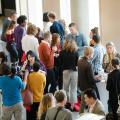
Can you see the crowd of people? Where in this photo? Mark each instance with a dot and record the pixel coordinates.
(55, 65)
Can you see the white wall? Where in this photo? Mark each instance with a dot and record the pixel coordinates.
(35, 13)
(52, 6)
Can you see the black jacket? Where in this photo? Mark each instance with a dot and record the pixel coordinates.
(68, 60)
(113, 85)
(85, 75)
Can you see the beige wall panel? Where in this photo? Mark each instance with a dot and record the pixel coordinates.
(110, 21)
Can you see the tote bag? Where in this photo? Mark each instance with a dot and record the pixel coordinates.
(27, 96)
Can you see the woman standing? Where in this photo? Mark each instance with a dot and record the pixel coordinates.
(29, 41)
(11, 86)
(93, 31)
(68, 60)
(107, 59)
(10, 39)
(36, 83)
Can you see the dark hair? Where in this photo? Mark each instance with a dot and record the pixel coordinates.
(21, 19)
(72, 24)
(60, 96)
(36, 66)
(95, 31)
(52, 15)
(32, 54)
(91, 93)
(11, 25)
(3, 56)
(115, 62)
(55, 37)
(7, 70)
(96, 38)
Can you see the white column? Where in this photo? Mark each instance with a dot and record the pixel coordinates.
(65, 10)
(80, 15)
(21, 7)
(35, 13)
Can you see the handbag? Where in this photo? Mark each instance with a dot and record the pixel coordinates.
(27, 97)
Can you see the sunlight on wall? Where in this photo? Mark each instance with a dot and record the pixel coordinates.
(93, 13)
(65, 10)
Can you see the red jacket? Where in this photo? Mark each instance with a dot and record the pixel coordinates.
(46, 55)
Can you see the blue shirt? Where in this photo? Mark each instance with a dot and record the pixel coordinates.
(11, 90)
(97, 59)
(80, 41)
(57, 28)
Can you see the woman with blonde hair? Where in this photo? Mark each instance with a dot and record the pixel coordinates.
(111, 53)
(29, 41)
(47, 102)
(68, 60)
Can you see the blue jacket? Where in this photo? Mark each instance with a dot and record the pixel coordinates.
(56, 27)
(80, 41)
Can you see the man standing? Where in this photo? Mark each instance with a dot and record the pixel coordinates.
(56, 27)
(46, 55)
(19, 32)
(78, 37)
(85, 75)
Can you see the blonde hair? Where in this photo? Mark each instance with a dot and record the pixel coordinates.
(32, 29)
(111, 44)
(88, 50)
(55, 39)
(70, 46)
(46, 103)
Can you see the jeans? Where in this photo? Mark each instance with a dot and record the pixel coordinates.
(11, 47)
(16, 110)
(70, 78)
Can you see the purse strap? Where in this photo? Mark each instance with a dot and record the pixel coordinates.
(58, 110)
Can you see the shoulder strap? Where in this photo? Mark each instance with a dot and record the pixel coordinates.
(58, 110)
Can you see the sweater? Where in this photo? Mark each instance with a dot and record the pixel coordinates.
(30, 42)
(36, 83)
(46, 55)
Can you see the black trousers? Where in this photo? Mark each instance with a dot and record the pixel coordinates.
(32, 115)
(114, 106)
(20, 53)
(50, 81)
(59, 76)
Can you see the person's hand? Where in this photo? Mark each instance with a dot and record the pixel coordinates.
(54, 48)
(97, 77)
(26, 72)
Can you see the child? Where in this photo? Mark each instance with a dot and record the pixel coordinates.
(113, 86)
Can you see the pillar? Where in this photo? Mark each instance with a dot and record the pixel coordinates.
(80, 15)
